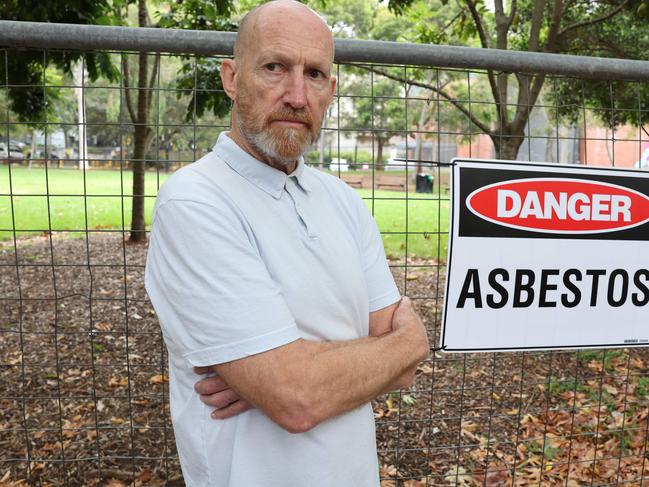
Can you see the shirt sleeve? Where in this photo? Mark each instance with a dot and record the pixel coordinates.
(380, 282)
(211, 290)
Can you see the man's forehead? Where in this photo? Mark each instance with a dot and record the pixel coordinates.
(289, 11)
(288, 23)
(284, 42)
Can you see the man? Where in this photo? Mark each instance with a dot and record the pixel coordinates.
(272, 277)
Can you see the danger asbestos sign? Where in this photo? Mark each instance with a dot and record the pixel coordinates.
(543, 256)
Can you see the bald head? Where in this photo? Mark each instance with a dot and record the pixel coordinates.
(275, 12)
(280, 82)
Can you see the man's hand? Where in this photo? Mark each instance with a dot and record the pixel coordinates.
(406, 317)
(216, 393)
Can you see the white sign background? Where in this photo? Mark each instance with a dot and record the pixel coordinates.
(470, 328)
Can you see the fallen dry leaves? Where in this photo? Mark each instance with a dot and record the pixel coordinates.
(491, 420)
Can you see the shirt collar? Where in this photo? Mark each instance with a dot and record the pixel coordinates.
(266, 178)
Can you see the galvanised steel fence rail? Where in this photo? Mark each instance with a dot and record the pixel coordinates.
(83, 375)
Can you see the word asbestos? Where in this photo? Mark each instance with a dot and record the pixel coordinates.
(524, 288)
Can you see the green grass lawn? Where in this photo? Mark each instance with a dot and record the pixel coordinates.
(414, 224)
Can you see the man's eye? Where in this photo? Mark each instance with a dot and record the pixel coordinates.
(316, 74)
(272, 67)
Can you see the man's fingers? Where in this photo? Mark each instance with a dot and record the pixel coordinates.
(404, 311)
(233, 409)
(202, 370)
(210, 385)
(405, 303)
(220, 399)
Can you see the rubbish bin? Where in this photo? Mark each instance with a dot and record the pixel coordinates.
(424, 183)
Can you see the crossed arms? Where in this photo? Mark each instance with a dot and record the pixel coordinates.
(304, 383)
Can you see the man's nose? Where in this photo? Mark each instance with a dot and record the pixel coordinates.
(295, 93)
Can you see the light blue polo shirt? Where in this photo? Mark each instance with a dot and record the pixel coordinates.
(243, 259)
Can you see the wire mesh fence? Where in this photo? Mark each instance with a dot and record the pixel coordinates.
(83, 372)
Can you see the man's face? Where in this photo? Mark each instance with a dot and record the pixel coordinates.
(284, 87)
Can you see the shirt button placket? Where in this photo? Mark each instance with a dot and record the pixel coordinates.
(297, 196)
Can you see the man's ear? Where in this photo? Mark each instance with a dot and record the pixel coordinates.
(333, 89)
(228, 75)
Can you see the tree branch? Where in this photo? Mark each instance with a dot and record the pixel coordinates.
(477, 20)
(502, 25)
(154, 76)
(127, 89)
(555, 22)
(526, 99)
(512, 14)
(596, 20)
(500, 88)
(535, 26)
(448, 25)
(478, 123)
(486, 43)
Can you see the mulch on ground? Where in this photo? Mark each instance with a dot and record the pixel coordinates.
(83, 388)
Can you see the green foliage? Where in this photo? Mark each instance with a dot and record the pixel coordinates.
(203, 74)
(312, 157)
(350, 19)
(607, 356)
(379, 109)
(408, 399)
(603, 397)
(540, 26)
(198, 15)
(559, 386)
(399, 6)
(615, 103)
(26, 70)
(642, 387)
(547, 451)
(360, 156)
(200, 73)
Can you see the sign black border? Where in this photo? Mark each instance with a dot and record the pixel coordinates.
(454, 192)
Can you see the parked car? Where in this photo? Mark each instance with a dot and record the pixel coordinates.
(14, 152)
(51, 155)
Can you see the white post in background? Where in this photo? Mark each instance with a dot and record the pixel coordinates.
(81, 115)
(321, 150)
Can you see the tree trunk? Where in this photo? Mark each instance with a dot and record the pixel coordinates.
(32, 153)
(549, 144)
(421, 123)
(81, 116)
(507, 146)
(138, 228)
(141, 136)
(379, 165)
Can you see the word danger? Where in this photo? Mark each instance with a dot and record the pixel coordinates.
(550, 288)
(560, 205)
(576, 206)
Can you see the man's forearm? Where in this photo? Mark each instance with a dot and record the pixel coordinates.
(357, 372)
(304, 383)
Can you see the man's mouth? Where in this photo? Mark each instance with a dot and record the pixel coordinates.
(290, 123)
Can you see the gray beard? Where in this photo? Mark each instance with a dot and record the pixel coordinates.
(266, 145)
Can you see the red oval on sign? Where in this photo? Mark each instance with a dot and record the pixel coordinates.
(560, 205)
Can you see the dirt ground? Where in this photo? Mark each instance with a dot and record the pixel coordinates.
(83, 388)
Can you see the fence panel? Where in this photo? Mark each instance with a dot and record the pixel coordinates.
(83, 368)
